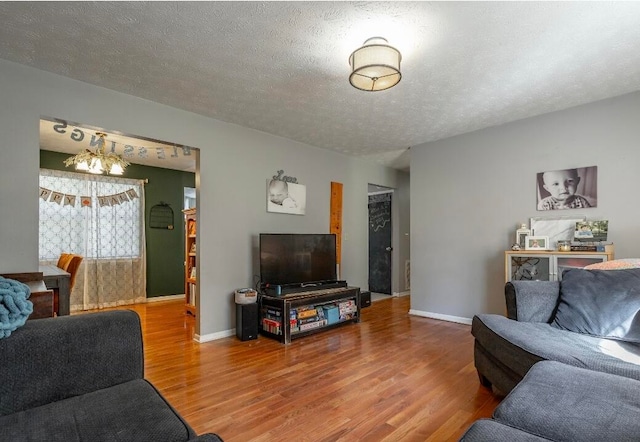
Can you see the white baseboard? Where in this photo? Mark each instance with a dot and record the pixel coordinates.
(214, 336)
(165, 298)
(405, 293)
(449, 318)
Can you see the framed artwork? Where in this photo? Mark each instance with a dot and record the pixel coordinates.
(591, 231)
(536, 243)
(575, 188)
(559, 228)
(284, 197)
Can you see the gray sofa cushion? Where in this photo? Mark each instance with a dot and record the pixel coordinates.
(486, 430)
(564, 403)
(604, 303)
(519, 345)
(52, 359)
(126, 412)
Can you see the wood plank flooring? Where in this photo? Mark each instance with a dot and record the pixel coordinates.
(392, 377)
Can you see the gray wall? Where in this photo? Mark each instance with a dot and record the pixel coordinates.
(235, 163)
(470, 191)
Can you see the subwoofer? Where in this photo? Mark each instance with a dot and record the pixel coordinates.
(247, 321)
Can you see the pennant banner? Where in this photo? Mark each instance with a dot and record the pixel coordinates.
(45, 193)
(56, 197)
(64, 199)
(70, 200)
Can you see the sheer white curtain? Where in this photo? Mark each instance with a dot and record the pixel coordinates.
(108, 233)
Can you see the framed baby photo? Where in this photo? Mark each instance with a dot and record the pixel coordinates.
(536, 243)
(575, 188)
(285, 197)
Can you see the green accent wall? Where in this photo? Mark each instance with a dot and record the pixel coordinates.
(165, 248)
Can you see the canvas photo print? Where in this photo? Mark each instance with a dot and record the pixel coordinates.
(567, 188)
(284, 197)
(591, 231)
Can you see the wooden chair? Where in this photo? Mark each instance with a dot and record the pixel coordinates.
(64, 260)
(72, 267)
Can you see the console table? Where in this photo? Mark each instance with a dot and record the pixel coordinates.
(547, 265)
(56, 278)
(292, 316)
(41, 296)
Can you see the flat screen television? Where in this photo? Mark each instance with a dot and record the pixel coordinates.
(290, 258)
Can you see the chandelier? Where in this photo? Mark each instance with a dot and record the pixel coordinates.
(98, 162)
(375, 66)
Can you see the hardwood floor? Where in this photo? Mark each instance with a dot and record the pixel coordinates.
(393, 377)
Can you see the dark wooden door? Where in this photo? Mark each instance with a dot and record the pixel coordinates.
(380, 243)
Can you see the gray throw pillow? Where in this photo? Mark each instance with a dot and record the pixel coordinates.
(604, 303)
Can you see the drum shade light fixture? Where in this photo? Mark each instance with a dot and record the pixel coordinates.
(98, 162)
(375, 66)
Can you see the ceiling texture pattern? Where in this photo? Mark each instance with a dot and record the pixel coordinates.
(282, 67)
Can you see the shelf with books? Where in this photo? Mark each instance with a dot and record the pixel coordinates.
(308, 312)
(190, 263)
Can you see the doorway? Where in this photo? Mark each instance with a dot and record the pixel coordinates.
(380, 239)
(162, 170)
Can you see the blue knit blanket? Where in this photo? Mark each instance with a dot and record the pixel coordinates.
(15, 306)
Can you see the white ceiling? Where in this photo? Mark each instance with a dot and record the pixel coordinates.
(282, 67)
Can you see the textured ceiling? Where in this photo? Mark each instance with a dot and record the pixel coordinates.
(282, 67)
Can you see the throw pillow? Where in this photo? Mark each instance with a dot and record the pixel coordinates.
(603, 303)
(615, 264)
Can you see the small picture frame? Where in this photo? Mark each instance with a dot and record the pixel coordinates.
(536, 243)
(521, 234)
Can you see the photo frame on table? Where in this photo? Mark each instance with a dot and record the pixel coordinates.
(558, 228)
(536, 243)
(521, 237)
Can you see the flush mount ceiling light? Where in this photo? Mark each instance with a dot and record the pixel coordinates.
(375, 66)
(98, 162)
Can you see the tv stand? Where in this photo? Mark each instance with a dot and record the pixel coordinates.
(296, 315)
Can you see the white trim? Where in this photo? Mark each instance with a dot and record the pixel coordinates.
(164, 298)
(449, 318)
(214, 336)
(405, 293)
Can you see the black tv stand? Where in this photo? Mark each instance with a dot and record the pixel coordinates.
(296, 315)
(287, 289)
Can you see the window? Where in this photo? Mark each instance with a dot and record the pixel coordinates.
(111, 226)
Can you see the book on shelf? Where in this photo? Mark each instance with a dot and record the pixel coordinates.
(308, 320)
(312, 325)
(307, 313)
(192, 294)
(191, 227)
(271, 326)
(273, 311)
(584, 248)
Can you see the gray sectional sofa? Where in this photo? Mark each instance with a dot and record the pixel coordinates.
(591, 320)
(568, 355)
(80, 378)
(562, 403)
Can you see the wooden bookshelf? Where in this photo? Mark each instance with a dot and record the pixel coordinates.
(190, 260)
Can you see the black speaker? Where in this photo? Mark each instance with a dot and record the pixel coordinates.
(247, 321)
(365, 299)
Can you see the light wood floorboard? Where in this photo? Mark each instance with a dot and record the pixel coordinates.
(392, 377)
